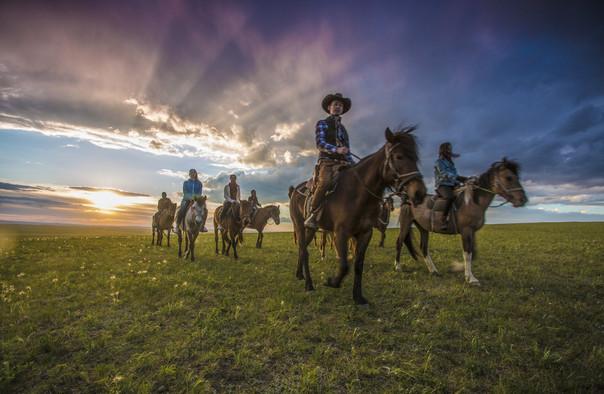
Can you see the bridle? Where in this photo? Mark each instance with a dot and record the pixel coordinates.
(401, 179)
(505, 194)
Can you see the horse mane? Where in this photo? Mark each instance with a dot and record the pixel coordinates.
(507, 164)
(403, 135)
(485, 178)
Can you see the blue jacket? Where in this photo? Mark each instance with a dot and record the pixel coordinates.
(445, 173)
(191, 188)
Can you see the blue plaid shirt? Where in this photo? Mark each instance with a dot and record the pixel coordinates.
(341, 136)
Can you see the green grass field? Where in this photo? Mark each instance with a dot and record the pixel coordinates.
(86, 311)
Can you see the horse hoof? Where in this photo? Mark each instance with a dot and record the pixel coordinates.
(362, 301)
(299, 276)
(398, 267)
(310, 288)
(435, 273)
(475, 283)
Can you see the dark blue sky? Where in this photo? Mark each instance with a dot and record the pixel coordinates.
(129, 94)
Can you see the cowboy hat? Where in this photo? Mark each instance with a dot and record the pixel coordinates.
(333, 97)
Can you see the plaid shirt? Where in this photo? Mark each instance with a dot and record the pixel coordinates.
(341, 137)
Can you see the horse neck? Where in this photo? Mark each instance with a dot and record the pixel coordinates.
(484, 198)
(370, 172)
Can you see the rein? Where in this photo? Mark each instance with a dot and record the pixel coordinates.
(506, 191)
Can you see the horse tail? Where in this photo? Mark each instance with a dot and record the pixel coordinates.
(290, 191)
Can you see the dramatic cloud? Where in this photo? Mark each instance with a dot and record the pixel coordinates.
(237, 87)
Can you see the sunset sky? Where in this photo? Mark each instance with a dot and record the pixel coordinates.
(105, 104)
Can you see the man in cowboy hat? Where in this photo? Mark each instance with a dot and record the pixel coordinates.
(446, 178)
(334, 150)
(191, 189)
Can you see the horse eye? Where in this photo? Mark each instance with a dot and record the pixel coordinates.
(398, 157)
(510, 179)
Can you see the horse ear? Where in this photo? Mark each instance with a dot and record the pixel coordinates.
(204, 198)
(389, 135)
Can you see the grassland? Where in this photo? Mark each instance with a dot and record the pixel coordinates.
(87, 311)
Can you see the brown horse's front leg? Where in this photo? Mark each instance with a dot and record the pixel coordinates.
(359, 260)
(342, 248)
(169, 237)
(153, 239)
(234, 241)
(383, 238)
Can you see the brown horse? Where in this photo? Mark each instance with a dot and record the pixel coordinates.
(383, 218)
(163, 220)
(350, 210)
(232, 225)
(467, 214)
(260, 219)
(193, 222)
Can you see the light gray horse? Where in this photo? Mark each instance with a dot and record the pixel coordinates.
(194, 221)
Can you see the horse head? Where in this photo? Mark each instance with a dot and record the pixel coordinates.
(200, 210)
(275, 214)
(504, 178)
(245, 212)
(400, 165)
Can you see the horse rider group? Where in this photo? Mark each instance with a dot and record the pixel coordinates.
(193, 188)
(333, 143)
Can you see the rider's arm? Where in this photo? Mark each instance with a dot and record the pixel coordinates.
(320, 134)
(185, 192)
(226, 194)
(238, 194)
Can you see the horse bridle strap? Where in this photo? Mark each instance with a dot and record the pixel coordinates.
(402, 178)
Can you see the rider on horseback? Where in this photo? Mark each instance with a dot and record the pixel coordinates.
(446, 178)
(232, 196)
(253, 199)
(191, 189)
(334, 151)
(164, 202)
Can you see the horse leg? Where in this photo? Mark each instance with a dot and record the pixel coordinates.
(362, 241)
(187, 245)
(425, 237)
(179, 236)
(153, 239)
(216, 237)
(303, 243)
(342, 248)
(323, 244)
(223, 237)
(160, 236)
(467, 238)
(192, 245)
(258, 241)
(300, 241)
(234, 240)
(169, 236)
(383, 238)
